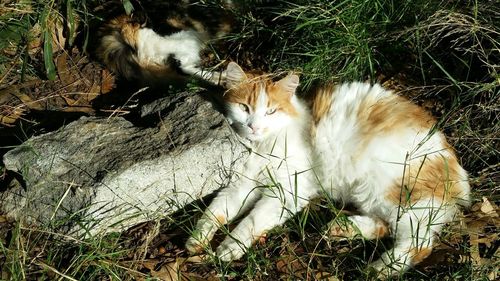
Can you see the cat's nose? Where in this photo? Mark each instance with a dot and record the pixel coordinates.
(254, 128)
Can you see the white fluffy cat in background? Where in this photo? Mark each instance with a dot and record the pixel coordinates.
(358, 143)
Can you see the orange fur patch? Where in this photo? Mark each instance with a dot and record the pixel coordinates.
(321, 102)
(377, 117)
(177, 22)
(281, 99)
(382, 230)
(128, 28)
(221, 219)
(247, 92)
(224, 28)
(419, 254)
(437, 177)
(198, 26)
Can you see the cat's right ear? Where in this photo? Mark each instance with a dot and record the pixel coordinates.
(233, 75)
(290, 83)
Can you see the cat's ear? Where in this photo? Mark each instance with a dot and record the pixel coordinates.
(233, 75)
(289, 83)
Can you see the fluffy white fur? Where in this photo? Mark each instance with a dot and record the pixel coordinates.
(290, 165)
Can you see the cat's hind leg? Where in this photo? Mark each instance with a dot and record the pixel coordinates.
(414, 231)
(227, 205)
(349, 227)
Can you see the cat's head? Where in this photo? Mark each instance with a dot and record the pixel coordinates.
(257, 106)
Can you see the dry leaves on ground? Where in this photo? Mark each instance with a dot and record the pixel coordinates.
(78, 83)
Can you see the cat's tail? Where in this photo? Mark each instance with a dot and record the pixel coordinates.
(117, 48)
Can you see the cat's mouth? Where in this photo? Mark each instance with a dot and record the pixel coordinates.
(255, 137)
(246, 132)
(259, 135)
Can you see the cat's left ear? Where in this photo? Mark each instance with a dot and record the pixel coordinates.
(233, 75)
(289, 83)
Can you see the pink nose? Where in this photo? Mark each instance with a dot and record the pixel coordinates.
(254, 128)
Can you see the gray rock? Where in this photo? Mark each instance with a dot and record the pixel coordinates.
(105, 174)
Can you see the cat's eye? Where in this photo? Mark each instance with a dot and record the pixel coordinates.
(271, 111)
(244, 107)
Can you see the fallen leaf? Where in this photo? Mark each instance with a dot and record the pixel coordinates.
(29, 102)
(8, 120)
(56, 26)
(197, 259)
(35, 39)
(481, 223)
(291, 265)
(488, 240)
(107, 81)
(325, 276)
(62, 69)
(168, 272)
(488, 207)
(493, 275)
(165, 271)
(162, 250)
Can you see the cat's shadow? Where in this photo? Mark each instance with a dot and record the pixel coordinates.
(129, 99)
(175, 233)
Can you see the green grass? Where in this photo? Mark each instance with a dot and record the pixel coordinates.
(445, 54)
(32, 30)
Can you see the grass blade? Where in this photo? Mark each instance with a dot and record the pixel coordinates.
(129, 8)
(70, 17)
(50, 68)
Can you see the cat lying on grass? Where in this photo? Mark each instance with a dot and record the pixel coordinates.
(358, 143)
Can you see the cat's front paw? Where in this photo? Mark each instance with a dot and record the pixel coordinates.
(341, 230)
(380, 270)
(195, 245)
(230, 250)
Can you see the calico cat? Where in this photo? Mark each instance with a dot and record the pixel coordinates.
(358, 143)
(164, 42)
